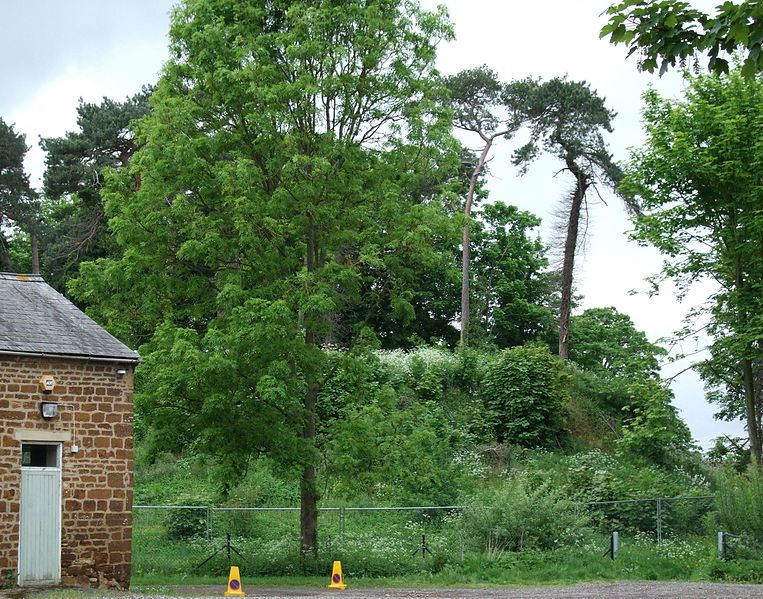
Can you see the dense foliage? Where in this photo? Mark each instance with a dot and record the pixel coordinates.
(520, 517)
(698, 181)
(279, 226)
(276, 169)
(515, 295)
(524, 391)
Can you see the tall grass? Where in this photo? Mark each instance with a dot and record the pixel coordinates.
(740, 502)
(388, 562)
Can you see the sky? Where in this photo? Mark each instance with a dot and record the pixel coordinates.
(58, 51)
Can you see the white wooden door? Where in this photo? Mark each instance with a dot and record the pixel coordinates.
(40, 527)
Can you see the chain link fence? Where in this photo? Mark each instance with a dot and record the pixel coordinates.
(204, 540)
(182, 541)
(659, 517)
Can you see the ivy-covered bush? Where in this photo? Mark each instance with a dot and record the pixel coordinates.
(525, 391)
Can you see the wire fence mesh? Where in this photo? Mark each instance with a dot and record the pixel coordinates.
(203, 540)
(178, 541)
(659, 517)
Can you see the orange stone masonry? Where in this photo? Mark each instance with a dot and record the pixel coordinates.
(95, 407)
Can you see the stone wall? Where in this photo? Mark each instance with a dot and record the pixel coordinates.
(95, 412)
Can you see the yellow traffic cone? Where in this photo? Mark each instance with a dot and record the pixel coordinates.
(337, 579)
(234, 584)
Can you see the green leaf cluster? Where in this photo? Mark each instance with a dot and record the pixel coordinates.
(605, 342)
(517, 516)
(671, 31)
(739, 497)
(513, 290)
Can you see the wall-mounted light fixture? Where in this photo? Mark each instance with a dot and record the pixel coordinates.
(48, 409)
(121, 372)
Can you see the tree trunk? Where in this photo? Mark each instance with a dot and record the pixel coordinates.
(5, 257)
(308, 515)
(753, 429)
(568, 266)
(35, 254)
(465, 306)
(748, 377)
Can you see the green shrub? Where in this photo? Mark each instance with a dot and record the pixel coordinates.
(388, 453)
(425, 370)
(746, 570)
(186, 523)
(515, 517)
(526, 390)
(596, 476)
(740, 502)
(653, 433)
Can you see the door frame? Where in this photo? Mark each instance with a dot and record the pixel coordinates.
(59, 469)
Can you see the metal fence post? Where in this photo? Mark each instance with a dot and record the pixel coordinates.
(721, 544)
(209, 523)
(659, 521)
(341, 524)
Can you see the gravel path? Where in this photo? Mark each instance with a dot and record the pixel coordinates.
(619, 590)
(622, 590)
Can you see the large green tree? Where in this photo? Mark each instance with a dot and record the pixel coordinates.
(606, 342)
(514, 295)
(567, 119)
(18, 204)
(75, 223)
(285, 140)
(666, 32)
(698, 178)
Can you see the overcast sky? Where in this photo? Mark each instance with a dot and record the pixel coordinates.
(57, 51)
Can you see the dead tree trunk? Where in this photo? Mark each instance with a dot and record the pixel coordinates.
(466, 240)
(753, 428)
(568, 266)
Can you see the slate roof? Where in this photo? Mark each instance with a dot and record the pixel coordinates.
(36, 319)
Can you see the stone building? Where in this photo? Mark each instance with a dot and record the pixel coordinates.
(66, 446)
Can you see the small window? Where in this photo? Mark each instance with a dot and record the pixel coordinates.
(39, 456)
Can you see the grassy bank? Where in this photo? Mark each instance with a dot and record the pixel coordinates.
(638, 559)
